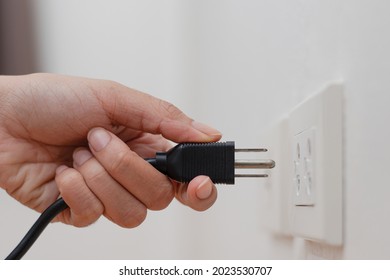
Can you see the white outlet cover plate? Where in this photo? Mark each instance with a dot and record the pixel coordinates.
(317, 214)
(275, 193)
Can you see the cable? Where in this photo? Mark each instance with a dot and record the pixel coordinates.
(182, 163)
(35, 231)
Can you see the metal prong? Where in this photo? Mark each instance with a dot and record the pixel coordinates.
(250, 150)
(251, 175)
(254, 164)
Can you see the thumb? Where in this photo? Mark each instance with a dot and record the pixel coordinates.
(200, 194)
(146, 113)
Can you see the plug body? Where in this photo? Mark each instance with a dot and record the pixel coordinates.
(188, 160)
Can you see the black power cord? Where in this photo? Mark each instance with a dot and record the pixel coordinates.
(182, 163)
(35, 231)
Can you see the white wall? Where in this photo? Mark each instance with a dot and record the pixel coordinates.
(237, 65)
(256, 60)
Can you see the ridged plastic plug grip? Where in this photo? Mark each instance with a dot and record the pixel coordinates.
(188, 160)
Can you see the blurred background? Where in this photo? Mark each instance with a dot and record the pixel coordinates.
(237, 65)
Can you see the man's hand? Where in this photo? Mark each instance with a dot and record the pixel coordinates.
(85, 140)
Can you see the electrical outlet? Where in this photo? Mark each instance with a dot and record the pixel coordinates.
(316, 199)
(304, 159)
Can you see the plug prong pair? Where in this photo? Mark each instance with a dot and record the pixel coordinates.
(253, 164)
(246, 150)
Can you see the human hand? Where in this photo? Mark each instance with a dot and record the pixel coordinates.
(85, 140)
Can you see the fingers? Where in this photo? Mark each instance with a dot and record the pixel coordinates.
(120, 206)
(200, 194)
(152, 115)
(111, 179)
(85, 207)
(132, 172)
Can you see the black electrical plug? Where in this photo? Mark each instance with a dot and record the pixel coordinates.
(217, 160)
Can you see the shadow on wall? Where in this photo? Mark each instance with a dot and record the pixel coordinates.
(17, 46)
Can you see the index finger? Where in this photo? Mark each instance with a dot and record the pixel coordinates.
(146, 113)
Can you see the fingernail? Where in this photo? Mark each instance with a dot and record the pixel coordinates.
(61, 169)
(98, 139)
(205, 128)
(81, 156)
(205, 188)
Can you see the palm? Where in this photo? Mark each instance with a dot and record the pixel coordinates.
(28, 173)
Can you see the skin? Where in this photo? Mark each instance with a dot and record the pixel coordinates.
(85, 140)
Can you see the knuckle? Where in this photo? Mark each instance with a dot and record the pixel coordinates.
(95, 211)
(121, 162)
(68, 177)
(89, 216)
(162, 199)
(132, 218)
(171, 110)
(81, 223)
(96, 177)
